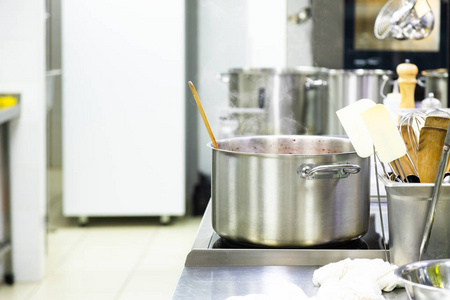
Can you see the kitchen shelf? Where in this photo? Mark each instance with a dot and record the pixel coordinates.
(6, 114)
(5, 248)
(9, 113)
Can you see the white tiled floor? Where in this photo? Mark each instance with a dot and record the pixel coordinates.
(119, 259)
(111, 259)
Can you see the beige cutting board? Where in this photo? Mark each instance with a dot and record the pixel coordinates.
(431, 143)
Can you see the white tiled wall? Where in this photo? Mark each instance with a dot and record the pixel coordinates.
(22, 70)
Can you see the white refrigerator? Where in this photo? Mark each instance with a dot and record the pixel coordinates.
(123, 64)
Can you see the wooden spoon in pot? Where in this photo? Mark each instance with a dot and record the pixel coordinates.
(202, 112)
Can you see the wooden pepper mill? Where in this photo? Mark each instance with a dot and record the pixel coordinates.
(407, 83)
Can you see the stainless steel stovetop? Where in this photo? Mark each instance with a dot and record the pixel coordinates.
(204, 253)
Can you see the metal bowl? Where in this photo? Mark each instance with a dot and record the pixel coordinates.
(428, 280)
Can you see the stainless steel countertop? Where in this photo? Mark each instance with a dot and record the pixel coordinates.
(216, 274)
(219, 283)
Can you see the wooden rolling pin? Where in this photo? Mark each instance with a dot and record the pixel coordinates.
(407, 83)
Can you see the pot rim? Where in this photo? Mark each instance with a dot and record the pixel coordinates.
(441, 73)
(210, 145)
(361, 71)
(301, 70)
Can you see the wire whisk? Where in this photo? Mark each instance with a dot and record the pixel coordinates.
(409, 128)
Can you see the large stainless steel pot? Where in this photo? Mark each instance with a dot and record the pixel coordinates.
(348, 86)
(294, 100)
(289, 191)
(436, 83)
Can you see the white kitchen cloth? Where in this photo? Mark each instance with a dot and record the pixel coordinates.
(349, 288)
(376, 270)
(347, 279)
(355, 279)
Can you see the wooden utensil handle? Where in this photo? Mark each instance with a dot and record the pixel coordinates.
(202, 113)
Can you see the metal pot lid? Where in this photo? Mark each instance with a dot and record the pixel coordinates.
(361, 72)
(301, 70)
(436, 73)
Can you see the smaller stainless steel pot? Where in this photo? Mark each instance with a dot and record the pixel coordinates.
(345, 87)
(294, 99)
(436, 83)
(289, 191)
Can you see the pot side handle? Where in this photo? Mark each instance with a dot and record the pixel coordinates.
(422, 81)
(224, 77)
(311, 84)
(332, 171)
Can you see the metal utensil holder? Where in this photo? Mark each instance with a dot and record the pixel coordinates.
(408, 205)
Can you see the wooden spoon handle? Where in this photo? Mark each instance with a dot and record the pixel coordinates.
(202, 113)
